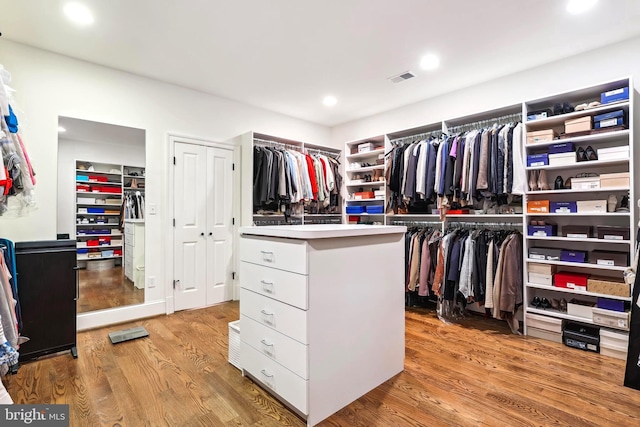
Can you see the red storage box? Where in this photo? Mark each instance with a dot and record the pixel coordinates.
(95, 178)
(105, 240)
(117, 252)
(115, 190)
(360, 195)
(564, 279)
(93, 242)
(82, 187)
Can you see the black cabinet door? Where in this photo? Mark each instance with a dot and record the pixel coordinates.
(47, 291)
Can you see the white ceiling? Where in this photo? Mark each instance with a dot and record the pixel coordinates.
(286, 55)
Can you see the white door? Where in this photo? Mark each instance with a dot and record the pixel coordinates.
(219, 225)
(203, 212)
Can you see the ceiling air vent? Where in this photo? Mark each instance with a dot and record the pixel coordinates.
(402, 77)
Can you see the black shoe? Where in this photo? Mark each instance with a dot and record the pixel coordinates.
(559, 183)
(590, 153)
(544, 303)
(535, 302)
(567, 108)
(581, 155)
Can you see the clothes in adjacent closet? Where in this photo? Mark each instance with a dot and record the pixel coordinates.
(10, 315)
(17, 176)
(288, 179)
(457, 170)
(133, 205)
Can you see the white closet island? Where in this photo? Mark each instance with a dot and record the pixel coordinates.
(322, 312)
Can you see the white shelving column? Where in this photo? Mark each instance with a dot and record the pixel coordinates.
(607, 138)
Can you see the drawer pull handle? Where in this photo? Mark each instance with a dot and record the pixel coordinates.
(266, 343)
(266, 313)
(265, 374)
(267, 286)
(267, 256)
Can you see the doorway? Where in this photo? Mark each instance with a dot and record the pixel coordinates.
(203, 232)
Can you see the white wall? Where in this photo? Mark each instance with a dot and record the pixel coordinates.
(609, 63)
(50, 85)
(69, 151)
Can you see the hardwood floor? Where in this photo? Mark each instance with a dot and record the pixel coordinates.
(104, 289)
(455, 375)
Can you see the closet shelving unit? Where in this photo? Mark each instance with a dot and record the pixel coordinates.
(103, 175)
(359, 165)
(606, 139)
(302, 215)
(128, 179)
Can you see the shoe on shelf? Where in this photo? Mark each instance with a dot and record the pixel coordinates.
(590, 153)
(558, 183)
(535, 302)
(581, 107)
(558, 109)
(624, 205)
(581, 155)
(544, 303)
(543, 184)
(567, 184)
(567, 108)
(594, 104)
(612, 202)
(533, 180)
(563, 305)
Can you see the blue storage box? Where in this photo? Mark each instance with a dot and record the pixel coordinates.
(95, 210)
(565, 147)
(83, 251)
(82, 178)
(573, 256)
(355, 209)
(538, 160)
(375, 209)
(611, 304)
(542, 230)
(614, 118)
(106, 254)
(563, 207)
(615, 95)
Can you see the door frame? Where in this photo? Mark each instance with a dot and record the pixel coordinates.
(172, 139)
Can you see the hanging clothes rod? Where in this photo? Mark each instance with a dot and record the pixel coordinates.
(480, 124)
(417, 137)
(467, 224)
(268, 143)
(325, 152)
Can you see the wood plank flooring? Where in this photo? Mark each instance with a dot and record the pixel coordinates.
(473, 374)
(102, 289)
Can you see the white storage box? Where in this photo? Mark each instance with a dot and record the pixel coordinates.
(541, 279)
(545, 335)
(234, 343)
(580, 310)
(612, 319)
(592, 206)
(614, 339)
(378, 193)
(562, 159)
(614, 153)
(590, 183)
(86, 200)
(366, 147)
(544, 323)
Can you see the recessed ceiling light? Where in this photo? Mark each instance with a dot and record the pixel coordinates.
(329, 101)
(78, 13)
(579, 6)
(61, 129)
(429, 62)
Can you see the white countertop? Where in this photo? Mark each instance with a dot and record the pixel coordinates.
(322, 231)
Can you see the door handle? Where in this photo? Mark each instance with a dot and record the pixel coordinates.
(202, 234)
(210, 234)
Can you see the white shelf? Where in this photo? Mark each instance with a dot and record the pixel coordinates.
(367, 154)
(98, 235)
(98, 193)
(133, 176)
(132, 189)
(96, 225)
(375, 199)
(581, 165)
(579, 214)
(98, 172)
(577, 292)
(416, 215)
(581, 240)
(99, 247)
(561, 118)
(368, 184)
(578, 264)
(99, 205)
(487, 216)
(97, 214)
(587, 139)
(558, 314)
(366, 169)
(83, 257)
(578, 190)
